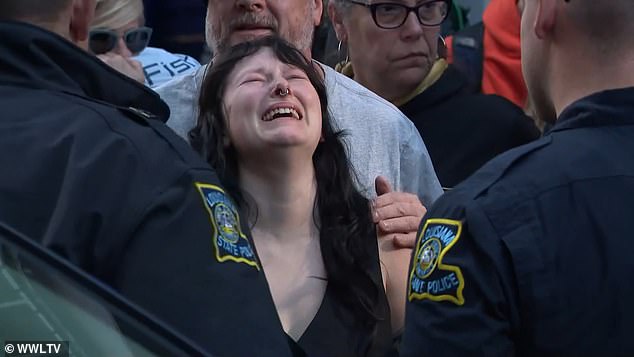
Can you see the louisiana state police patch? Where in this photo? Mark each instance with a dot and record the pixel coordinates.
(229, 243)
(430, 278)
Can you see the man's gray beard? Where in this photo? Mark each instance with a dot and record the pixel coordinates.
(303, 39)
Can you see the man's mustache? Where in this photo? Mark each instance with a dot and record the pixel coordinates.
(253, 20)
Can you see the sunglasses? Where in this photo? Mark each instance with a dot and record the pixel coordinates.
(103, 40)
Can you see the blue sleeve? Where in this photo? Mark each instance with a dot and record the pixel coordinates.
(459, 287)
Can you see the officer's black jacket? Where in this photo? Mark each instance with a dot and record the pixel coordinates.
(543, 264)
(462, 130)
(114, 192)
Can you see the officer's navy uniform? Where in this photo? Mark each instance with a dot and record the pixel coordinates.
(534, 255)
(89, 172)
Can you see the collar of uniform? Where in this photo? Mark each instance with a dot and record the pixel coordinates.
(36, 58)
(610, 107)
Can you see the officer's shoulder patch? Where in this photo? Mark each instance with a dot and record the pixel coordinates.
(229, 243)
(430, 278)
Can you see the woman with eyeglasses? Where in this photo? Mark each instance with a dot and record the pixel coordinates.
(393, 49)
(118, 37)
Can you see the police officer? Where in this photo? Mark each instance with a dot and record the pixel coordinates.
(89, 170)
(533, 254)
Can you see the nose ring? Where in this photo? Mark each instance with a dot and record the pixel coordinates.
(283, 92)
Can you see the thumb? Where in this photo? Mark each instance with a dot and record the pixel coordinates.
(382, 185)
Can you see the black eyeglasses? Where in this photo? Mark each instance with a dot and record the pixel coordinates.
(392, 15)
(103, 40)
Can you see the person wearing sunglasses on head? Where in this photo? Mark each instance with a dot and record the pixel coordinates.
(393, 49)
(118, 37)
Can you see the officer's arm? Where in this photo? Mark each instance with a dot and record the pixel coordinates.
(457, 294)
(191, 262)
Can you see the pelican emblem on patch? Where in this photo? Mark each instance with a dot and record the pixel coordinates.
(229, 243)
(430, 278)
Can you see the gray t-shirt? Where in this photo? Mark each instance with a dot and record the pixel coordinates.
(380, 140)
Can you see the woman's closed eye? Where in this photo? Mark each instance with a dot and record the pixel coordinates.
(253, 79)
(297, 76)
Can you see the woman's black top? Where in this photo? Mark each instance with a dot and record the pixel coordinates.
(334, 332)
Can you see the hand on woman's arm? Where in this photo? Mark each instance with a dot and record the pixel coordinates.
(396, 214)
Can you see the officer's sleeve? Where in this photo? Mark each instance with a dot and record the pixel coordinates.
(458, 288)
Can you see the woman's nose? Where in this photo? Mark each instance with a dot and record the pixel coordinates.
(412, 26)
(122, 49)
(281, 87)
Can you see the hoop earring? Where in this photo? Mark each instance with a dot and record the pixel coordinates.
(442, 40)
(339, 52)
(442, 47)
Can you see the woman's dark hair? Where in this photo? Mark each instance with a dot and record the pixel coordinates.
(347, 232)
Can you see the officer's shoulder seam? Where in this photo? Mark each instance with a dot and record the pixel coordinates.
(186, 168)
(99, 108)
(160, 187)
(499, 167)
(90, 106)
(525, 198)
(84, 102)
(568, 183)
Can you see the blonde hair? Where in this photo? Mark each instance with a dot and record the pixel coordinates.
(115, 14)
